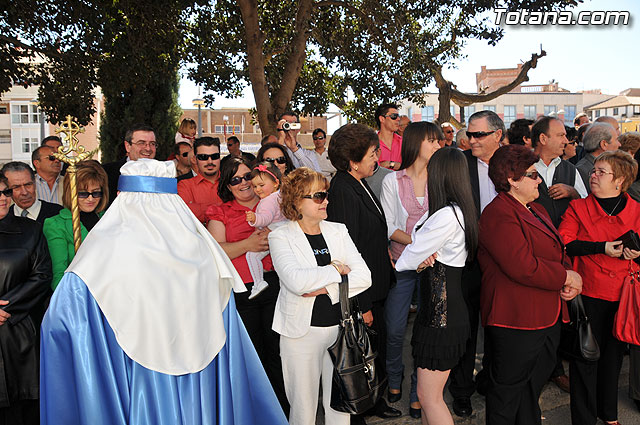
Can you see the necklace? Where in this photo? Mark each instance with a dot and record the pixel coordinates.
(614, 208)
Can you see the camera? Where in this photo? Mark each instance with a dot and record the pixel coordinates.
(291, 126)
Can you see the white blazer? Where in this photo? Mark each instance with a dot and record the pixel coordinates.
(293, 260)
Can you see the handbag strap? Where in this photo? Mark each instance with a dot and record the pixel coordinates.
(345, 308)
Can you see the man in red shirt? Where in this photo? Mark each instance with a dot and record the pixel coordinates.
(388, 121)
(201, 191)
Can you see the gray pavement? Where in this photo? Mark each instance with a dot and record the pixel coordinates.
(553, 401)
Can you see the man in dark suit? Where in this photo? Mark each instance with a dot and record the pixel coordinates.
(139, 142)
(22, 180)
(486, 131)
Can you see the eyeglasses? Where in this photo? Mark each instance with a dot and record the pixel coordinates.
(572, 143)
(279, 160)
(238, 179)
(479, 134)
(204, 156)
(448, 131)
(375, 153)
(95, 195)
(51, 158)
(7, 192)
(318, 137)
(185, 154)
(141, 144)
(533, 175)
(599, 172)
(393, 116)
(317, 197)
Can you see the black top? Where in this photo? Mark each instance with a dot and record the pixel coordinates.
(89, 219)
(324, 313)
(612, 206)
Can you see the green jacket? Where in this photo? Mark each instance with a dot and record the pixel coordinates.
(59, 233)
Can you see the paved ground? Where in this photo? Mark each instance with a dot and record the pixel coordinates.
(554, 402)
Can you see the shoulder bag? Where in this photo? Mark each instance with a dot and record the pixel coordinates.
(579, 342)
(625, 324)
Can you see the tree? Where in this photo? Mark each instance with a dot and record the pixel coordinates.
(355, 54)
(131, 50)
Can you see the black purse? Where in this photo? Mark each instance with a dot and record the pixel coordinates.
(358, 381)
(579, 342)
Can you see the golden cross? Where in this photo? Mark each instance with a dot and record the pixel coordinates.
(70, 152)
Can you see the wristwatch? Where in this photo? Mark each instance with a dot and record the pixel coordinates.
(392, 164)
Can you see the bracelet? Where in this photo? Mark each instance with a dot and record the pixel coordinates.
(337, 265)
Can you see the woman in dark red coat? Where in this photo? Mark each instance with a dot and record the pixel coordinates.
(590, 227)
(525, 277)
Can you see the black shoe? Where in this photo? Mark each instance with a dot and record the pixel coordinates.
(393, 397)
(637, 402)
(462, 407)
(415, 413)
(385, 411)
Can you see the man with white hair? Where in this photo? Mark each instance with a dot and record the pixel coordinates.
(600, 137)
(143, 329)
(449, 133)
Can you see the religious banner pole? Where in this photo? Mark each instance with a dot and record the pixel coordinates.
(71, 153)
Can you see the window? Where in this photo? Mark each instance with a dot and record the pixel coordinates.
(550, 109)
(530, 112)
(29, 144)
(24, 114)
(410, 113)
(219, 129)
(452, 109)
(636, 109)
(509, 114)
(3, 109)
(615, 111)
(597, 113)
(427, 113)
(569, 114)
(490, 108)
(468, 111)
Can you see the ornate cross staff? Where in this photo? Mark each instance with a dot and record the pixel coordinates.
(72, 154)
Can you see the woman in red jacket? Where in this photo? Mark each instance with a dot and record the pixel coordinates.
(590, 227)
(525, 277)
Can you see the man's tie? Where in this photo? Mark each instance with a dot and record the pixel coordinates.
(24, 213)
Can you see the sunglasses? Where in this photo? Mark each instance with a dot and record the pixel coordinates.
(95, 195)
(479, 134)
(185, 154)
(317, 197)
(572, 143)
(393, 116)
(238, 179)
(204, 156)
(279, 160)
(7, 192)
(318, 138)
(533, 175)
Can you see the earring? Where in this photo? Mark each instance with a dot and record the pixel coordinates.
(516, 187)
(299, 216)
(355, 168)
(617, 187)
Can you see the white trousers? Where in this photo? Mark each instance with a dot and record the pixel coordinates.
(305, 361)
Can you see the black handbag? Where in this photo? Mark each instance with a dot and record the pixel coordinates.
(578, 341)
(629, 240)
(358, 381)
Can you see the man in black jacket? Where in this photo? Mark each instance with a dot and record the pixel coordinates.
(22, 180)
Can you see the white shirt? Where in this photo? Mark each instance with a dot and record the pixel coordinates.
(546, 174)
(326, 167)
(32, 212)
(303, 158)
(441, 233)
(487, 189)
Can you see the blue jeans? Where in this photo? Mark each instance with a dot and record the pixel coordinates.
(396, 314)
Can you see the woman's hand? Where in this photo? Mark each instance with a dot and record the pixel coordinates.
(630, 254)
(572, 286)
(4, 316)
(316, 293)
(613, 249)
(368, 318)
(429, 262)
(257, 241)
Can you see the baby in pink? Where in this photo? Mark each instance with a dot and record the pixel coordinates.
(265, 179)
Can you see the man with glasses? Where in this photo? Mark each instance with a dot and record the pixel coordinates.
(233, 145)
(139, 142)
(289, 139)
(48, 178)
(201, 191)
(599, 137)
(185, 161)
(322, 154)
(449, 134)
(388, 122)
(22, 183)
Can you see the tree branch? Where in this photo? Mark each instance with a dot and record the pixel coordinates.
(18, 43)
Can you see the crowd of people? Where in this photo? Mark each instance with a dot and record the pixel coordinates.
(481, 226)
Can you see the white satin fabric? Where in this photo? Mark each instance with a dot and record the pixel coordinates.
(159, 277)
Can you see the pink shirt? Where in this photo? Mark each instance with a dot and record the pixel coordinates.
(268, 211)
(392, 154)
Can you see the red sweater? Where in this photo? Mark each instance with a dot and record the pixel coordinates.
(523, 266)
(585, 220)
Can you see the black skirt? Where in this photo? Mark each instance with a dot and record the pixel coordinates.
(441, 329)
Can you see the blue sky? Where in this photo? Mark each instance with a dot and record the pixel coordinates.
(578, 57)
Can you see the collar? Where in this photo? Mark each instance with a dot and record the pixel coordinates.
(626, 216)
(199, 178)
(34, 209)
(554, 163)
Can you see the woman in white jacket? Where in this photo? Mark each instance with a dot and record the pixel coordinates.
(310, 255)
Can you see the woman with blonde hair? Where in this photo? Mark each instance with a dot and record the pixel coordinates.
(93, 198)
(310, 255)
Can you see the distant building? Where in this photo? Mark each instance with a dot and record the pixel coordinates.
(624, 107)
